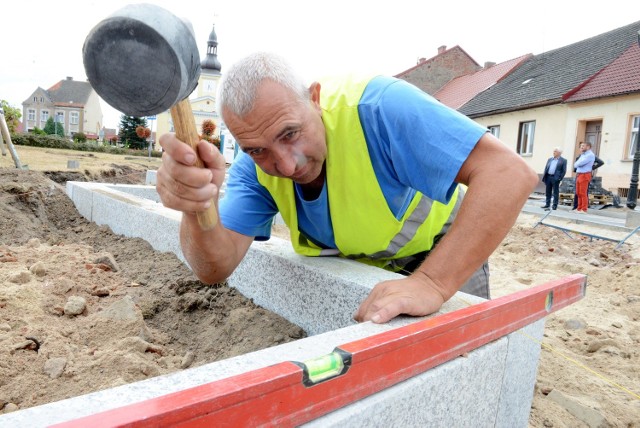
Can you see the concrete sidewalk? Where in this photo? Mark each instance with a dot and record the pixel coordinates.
(610, 217)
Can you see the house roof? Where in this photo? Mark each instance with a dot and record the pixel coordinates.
(38, 92)
(70, 93)
(620, 77)
(425, 62)
(461, 89)
(546, 78)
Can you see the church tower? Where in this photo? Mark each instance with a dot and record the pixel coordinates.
(211, 67)
(204, 97)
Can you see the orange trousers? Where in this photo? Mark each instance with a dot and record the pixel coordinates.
(582, 186)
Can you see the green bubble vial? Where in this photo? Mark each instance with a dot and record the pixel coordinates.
(324, 367)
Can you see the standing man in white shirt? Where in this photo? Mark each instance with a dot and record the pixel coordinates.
(583, 167)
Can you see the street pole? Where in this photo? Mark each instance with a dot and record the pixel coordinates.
(632, 197)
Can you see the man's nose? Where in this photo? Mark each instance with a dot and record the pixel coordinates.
(285, 162)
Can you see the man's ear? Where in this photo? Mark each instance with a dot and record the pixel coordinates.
(314, 92)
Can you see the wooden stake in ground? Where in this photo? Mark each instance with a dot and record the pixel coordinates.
(4, 151)
(4, 131)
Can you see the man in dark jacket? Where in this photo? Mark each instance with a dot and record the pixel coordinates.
(554, 172)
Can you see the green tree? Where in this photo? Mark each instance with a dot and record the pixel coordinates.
(11, 115)
(128, 135)
(53, 128)
(79, 137)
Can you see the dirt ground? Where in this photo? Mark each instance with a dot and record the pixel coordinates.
(82, 309)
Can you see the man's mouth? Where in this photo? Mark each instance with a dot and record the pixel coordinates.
(298, 174)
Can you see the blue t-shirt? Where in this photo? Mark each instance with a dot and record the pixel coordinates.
(415, 144)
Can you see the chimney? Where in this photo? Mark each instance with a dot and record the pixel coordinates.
(488, 64)
(69, 78)
(421, 60)
(441, 49)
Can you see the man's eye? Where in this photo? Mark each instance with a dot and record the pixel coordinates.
(289, 135)
(255, 152)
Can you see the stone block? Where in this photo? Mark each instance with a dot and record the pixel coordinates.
(491, 386)
(633, 219)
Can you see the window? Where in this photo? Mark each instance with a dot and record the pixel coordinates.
(44, 115)
(495, 130)
(35, 99)
(74, 118)
(525, 138)
(59, 117)
(633, 139)
(31, 115)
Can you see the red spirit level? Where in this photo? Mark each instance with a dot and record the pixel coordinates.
(291, 393)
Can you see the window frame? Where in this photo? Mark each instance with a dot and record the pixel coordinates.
(526, 137)
(634, 128)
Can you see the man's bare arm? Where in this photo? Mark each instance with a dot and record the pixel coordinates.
(499, 184)
(212, 254)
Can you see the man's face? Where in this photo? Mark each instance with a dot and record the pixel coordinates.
(556, 154)
(283, 135)
(583, 147)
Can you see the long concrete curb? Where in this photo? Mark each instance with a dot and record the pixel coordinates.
(491, 387)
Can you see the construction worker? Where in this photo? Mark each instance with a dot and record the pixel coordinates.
(367, 169)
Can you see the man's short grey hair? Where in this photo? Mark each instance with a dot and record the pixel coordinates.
(587, 143)
(557, 149)
(240, 84)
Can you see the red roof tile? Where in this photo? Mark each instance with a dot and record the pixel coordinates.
(460, 90)
(621, 76)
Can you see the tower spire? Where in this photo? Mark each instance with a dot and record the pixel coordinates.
(211, 64)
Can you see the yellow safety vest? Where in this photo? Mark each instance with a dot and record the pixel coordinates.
(364, 227)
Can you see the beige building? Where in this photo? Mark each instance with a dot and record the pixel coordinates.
(73, 104)
(204, 98)
(586, 91)
(607, 123)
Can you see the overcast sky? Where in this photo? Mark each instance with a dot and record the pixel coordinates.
(42, 40)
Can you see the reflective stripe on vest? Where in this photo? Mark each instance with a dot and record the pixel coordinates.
(364, 227)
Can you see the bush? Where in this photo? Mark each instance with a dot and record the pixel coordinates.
(79, 137)
(57, 142)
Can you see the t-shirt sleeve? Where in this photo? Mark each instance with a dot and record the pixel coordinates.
(427, 141)
(247, 207)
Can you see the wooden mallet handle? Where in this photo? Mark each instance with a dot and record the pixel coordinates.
(186, 131)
